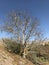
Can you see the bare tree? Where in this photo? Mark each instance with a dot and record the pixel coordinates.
(22, 26)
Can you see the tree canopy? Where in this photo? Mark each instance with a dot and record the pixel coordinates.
(22, 26)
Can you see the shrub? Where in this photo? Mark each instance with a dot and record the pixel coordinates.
(38, 54)
(13, 47)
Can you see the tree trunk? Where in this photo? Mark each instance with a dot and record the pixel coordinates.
(23, 42)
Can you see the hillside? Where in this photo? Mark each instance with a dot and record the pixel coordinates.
(39, 54)
(7, 58)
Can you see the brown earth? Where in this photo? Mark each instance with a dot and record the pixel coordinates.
(7, 58)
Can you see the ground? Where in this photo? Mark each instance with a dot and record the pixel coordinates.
(7, 58)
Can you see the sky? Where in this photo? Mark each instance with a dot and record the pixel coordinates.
(37, 8)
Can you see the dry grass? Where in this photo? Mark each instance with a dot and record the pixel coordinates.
(7, 58)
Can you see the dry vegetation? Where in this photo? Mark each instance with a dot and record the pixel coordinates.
(37, 54)
(7, 58)
(23, 28)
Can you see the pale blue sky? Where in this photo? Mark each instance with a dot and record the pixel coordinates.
(37, 8)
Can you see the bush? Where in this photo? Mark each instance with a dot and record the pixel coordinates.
(38, 54)
(13, 47)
